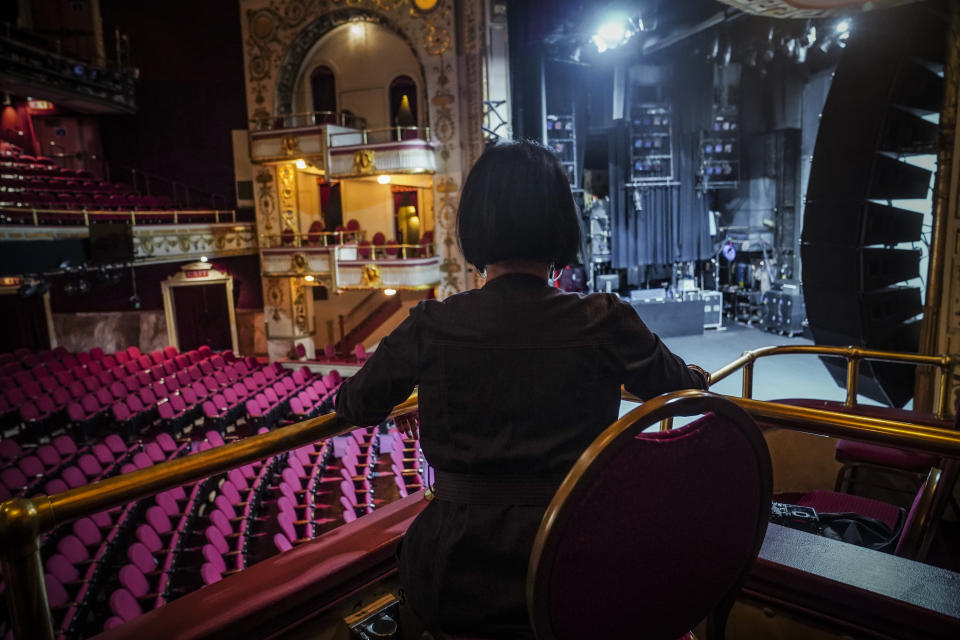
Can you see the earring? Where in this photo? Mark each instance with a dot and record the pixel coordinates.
(482, 274)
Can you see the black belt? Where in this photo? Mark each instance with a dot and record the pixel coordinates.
(500, 490)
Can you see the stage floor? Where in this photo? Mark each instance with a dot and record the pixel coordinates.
(794, 376)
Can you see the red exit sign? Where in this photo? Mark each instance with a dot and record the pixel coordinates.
(197, 273)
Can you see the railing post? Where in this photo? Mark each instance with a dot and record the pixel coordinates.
(36, 222)
(748, 380)
(216, 216)
(86, 218)
(943, 392)
(174, 216)
(666, 424)
(853, 380)
(23, 570)
(363, 135)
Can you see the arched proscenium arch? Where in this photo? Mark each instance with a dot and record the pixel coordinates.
(311, 34)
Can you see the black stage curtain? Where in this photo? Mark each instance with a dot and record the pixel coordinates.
(23, 323)
(671, 223)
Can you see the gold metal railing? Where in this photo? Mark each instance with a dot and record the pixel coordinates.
(310, 239)
(379, 136)
(377, 252)
(24, 520)
(854, 356)
(84, 217)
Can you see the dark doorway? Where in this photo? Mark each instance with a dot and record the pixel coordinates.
(323, 87)
(23, 323)
(202, 317)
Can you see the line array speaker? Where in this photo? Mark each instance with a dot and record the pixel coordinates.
(853, 274)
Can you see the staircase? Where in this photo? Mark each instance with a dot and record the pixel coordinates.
(368, 324)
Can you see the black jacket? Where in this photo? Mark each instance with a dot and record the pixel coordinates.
(515, 378)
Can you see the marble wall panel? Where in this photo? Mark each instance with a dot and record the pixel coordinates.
(251, 333)
(111, 331)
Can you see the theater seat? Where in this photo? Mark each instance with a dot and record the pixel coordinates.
(650, 533)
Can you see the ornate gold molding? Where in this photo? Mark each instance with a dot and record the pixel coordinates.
(370, 276)
(365, 162)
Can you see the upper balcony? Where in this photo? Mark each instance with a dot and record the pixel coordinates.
(30, 70)
(340, 146)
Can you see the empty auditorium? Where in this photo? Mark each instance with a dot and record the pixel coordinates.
(480, 320)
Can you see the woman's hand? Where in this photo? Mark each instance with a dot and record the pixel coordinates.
(703, 372)
(409, 425)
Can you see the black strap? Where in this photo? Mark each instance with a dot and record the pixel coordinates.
(498, 490)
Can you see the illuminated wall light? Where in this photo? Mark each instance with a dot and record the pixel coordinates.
(389, 292)
(308, 278)
(301, 164)
(203, 259)
(383, 179)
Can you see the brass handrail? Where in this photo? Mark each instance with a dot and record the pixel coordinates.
(84, 215)
(279, 240)
(853, 356)
(366, 134)
(24, 520)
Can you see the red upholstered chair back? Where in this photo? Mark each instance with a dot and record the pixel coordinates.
(650, 532)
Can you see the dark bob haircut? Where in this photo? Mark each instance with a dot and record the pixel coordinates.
(516, 204)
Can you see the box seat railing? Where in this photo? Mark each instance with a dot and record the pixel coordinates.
(316, 576)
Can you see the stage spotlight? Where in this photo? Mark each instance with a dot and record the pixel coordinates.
(843, 26)
(810, 37)
(613, 32)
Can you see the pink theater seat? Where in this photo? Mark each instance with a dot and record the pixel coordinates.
(124, 605)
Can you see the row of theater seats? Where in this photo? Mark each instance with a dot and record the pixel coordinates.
(43, 392)
(359, 355)
(36, 182)
(134, 394)
(107, 568)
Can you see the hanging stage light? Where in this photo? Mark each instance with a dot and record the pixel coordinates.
(615, 31)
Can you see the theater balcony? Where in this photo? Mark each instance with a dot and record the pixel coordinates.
(29, 68)
(332, 145)
(157, 236)
(344, 260)
(397, 150)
